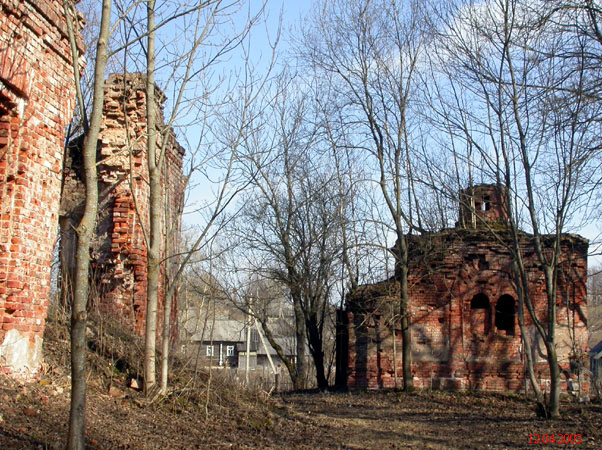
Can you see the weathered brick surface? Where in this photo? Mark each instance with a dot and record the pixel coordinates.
(457, 281)
(119, 263)
(36, 103)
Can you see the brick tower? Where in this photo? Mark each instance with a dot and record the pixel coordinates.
(119, 255)
(484, 203)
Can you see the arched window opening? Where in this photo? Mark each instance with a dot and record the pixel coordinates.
(480, 314)
(479, 301)
(504, 315)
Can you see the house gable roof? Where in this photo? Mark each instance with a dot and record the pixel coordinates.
(222, 330)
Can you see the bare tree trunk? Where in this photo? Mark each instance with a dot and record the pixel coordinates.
(163, 376)
(301, 363)
(549, 268)
(406, 331)
(394, 336)
(153, 251)
(208, 15)
(526, 343)
(85, 230)
(550, 340)
(170, 297)
(317, 352)
(528, 353)
(552, 357)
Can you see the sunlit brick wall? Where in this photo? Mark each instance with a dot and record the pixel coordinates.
(36, 104)
(119, 256)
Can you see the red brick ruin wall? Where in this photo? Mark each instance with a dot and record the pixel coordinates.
(457, 340)
(36, 104)
(119, 264)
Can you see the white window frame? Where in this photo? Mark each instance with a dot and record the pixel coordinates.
(210, 350)
(229, 350)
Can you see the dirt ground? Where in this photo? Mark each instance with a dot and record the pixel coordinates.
(379, 420)
(35, 416)
(206, 410)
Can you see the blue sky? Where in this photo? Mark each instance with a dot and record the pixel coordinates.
(292, 13)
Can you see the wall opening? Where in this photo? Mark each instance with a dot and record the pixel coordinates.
(486, 203)
(504, 315)
(479, 301)
(480, 314)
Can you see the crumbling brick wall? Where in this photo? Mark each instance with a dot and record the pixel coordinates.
(463, 310)
(36, 104)
(119, 256)
(483, 203)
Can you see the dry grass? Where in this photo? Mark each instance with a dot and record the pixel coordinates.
(222, 413)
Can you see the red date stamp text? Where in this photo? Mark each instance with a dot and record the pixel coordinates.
(554, 438)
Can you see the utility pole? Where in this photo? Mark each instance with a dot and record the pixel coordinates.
(248, 341)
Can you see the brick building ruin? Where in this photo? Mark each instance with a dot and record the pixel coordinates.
(119, 257)
(463, 309)
(36, 104)
(37, 100)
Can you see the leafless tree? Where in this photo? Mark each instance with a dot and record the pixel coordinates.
(371, 50)
(189, 73)
(517, 113)
(288, 229)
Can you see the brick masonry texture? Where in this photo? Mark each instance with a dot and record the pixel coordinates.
(36, 104)
(463, 310)
(119, 256)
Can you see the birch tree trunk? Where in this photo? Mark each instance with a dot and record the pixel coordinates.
(154, 175)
